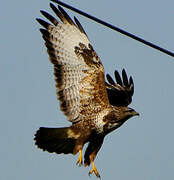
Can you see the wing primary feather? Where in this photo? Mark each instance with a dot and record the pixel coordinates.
(43, 23)
(58, 13)
(118, 78)
(110, 80)
(107, 85)
(131, 81)
(66, 15)
(125, 79)
(49, 17)
(45, 34)
(79, 25)
(55, 10)
(131, 84)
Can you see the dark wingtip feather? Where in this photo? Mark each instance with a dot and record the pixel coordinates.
(110, 80)
(58, 13)
(131, 81)
(49, 17)
(79, 25)
(67, 17)
(107, 84)
(131, 84)
(55, 10)
(43, 31)
(52, 5)
(125, 78)
(43, 23)
(118, 78)
(45, 34)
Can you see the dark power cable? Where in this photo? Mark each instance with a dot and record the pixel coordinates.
(115, 28)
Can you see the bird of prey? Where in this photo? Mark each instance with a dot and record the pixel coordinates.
(93, 106)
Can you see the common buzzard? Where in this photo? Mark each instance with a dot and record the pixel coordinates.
(93, 106)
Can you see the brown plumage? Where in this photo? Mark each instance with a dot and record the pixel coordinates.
(94, 106)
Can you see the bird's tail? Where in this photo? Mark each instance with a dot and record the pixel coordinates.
(58, 140)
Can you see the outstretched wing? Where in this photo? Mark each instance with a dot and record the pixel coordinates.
(78, 71)
(120, 92)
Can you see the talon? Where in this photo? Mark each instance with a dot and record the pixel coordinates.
(94, 170)
(80, 160)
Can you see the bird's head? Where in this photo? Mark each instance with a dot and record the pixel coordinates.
(117, 117)
(124, 113)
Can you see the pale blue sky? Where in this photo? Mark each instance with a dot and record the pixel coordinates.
(143, 148)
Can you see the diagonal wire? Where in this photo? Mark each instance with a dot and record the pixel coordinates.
(116, 28)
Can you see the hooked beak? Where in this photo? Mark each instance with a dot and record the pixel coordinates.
(135, 113)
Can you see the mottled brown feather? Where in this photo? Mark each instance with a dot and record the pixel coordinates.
(78, 71)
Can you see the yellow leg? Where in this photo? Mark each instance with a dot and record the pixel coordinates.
(94, 170)
(80, 160)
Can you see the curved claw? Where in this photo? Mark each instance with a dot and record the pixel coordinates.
(94, 170)
(96, 173)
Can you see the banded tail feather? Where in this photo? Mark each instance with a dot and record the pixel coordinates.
(58, 140)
